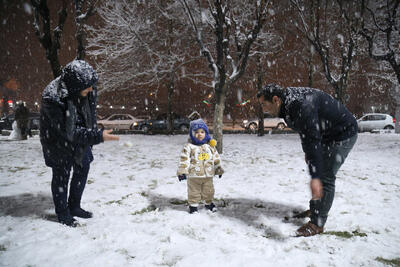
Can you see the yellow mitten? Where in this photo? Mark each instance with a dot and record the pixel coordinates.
(212, 142)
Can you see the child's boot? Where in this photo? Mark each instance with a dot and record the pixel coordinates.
(192, 209)
(211, 207)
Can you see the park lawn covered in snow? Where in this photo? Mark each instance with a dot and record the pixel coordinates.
(141, 219)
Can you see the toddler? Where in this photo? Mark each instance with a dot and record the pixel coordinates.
(199, 162)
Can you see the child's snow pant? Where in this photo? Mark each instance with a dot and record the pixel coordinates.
(200, 189)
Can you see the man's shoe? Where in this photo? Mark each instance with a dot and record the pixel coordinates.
(309, 229)
(81, 213)
(211, 207)
(192, 209)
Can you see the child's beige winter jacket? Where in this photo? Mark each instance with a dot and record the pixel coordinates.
(200, 161)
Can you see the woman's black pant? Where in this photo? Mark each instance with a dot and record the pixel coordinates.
(59, 185)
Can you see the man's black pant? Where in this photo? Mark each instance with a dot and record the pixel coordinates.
(59, 185)
(334, 155)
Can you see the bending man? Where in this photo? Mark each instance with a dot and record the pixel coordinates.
(328, 132)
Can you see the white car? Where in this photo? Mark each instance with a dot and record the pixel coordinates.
(269, 122)
(372, 121)
(118, 121)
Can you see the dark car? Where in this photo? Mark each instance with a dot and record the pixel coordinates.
(34, 120)
(160, 123)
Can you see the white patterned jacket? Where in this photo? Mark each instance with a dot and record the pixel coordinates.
(199, 161)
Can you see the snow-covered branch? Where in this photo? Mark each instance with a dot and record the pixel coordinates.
(80, 20)
(381, 30)
(333, 30)
(42, 24)
(138, 43)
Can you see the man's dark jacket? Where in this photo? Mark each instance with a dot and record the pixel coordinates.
(319, 119)
(68, 125)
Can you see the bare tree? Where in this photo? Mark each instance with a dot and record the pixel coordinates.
(116, 45)
(50, 40)
(143, 44)
(332, 27)
(259, 110)
(268, 43)
(81, 18)
(234, 26)
(381, 29)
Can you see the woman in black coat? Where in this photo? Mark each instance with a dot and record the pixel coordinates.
(68, 130)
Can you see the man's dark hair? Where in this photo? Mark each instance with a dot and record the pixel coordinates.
(269, 91)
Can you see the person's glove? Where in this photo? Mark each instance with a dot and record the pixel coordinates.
(182, 177)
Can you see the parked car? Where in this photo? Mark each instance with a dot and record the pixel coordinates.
(7, 121)
(160, 123)
(140, 119)
(269, 122)
(372, 121)
(118, 121)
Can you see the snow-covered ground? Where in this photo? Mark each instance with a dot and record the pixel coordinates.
(141, 219)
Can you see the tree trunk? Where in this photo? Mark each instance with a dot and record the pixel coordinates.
(396, 96)
(218, 123)
(170, 123)
(80, 33)
(171, 83)
(80, 38)
(340, 93)
(52, 56)
(397, 117)
(260, 112)
(310, 68)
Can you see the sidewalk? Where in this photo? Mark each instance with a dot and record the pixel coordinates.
(228, 129)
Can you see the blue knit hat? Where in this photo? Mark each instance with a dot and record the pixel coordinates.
(195, 125)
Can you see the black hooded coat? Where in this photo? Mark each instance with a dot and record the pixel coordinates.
(68, 126)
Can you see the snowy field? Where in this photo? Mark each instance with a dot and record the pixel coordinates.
(141, 219)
